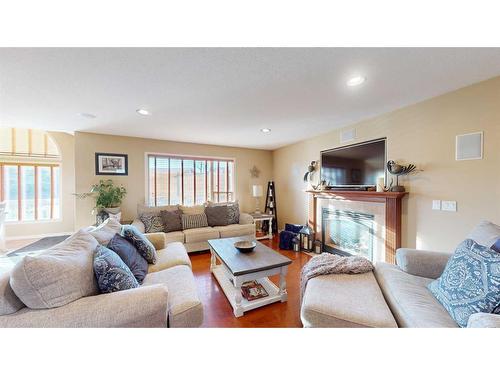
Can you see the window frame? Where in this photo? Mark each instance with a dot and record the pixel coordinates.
(37, 191)
(195, 158)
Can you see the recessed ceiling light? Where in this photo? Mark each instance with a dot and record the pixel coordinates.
(143, 112)
(87, 115)
(355, 81)
(265, 130)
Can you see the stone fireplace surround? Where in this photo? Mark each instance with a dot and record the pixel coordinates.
(384, 206)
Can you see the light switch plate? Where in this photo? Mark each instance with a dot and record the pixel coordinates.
(436, 205)
(449, 205)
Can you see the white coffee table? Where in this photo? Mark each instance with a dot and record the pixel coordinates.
(232, 268)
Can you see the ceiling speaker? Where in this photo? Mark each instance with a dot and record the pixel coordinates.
(469, 146)
(347, 135)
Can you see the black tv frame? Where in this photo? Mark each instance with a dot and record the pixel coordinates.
(354, 187)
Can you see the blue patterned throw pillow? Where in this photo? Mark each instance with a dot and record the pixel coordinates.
(141, 243)
(111, 272)
(470, 282)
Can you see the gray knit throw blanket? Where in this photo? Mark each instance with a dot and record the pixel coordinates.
(326, 264)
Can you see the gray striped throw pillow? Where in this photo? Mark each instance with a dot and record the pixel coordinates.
(194, 221)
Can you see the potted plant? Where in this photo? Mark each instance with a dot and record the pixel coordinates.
(108, 199)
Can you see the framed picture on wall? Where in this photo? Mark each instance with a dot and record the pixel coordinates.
(111, 164)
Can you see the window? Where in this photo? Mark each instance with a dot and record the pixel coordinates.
(28, 182)
(189, 181)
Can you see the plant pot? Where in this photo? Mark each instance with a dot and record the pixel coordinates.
(105, 213)
(112, 210)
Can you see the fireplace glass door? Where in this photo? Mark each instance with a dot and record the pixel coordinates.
(347, 232)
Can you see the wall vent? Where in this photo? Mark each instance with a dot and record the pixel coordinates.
(347, 135)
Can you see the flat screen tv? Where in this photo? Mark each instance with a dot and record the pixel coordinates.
(355, 166)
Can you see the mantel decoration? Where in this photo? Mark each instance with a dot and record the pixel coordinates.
(399, 170)
(108, 199)
(111, 164)
(311, 169)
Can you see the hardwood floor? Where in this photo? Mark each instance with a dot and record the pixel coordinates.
(219, 313)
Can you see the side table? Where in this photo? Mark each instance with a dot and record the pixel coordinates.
(262, 218)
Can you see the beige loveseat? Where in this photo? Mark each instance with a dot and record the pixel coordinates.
(167, 298)
(196, 239)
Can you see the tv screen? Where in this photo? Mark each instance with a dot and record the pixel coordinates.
(355, 165)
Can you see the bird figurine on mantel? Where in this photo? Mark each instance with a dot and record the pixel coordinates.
(310, 171)
(399, 170)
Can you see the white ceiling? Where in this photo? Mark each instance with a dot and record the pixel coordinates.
(225, 95)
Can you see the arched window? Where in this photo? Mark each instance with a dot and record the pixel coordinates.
(30, 175)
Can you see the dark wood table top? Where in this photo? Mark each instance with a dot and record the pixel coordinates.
(260, 259)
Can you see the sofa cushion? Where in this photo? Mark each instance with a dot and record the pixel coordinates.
(130, 256)
(236, 230)
(485, 234)
(174, 237)
(184, 306)
(193, 210)
(140, 242)
(194, 221)
(218, 215)
(174, 254)
(9, 302)
(111, 272)
(201, 234)
(470, 282)
(411, 303)
(172, 220)
(342, 300)
(57, 276)
(141, 208)
(152, 221)
(106, 231)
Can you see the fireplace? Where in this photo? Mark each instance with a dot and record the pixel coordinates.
(385, 206)
(347, 232)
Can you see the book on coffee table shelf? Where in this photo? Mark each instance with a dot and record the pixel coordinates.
(252, 290)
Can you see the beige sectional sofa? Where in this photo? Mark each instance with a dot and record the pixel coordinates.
(167, 298)
(196, 239)
(391, 296)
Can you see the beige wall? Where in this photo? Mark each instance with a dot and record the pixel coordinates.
(86, 144)
(423, 134)
(66, 144)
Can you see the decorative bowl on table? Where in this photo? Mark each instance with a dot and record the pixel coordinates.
(245, 246)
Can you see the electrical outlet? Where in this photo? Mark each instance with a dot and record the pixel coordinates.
(436, 205)
(449, 206)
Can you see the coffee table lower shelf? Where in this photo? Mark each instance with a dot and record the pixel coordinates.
(231, 286)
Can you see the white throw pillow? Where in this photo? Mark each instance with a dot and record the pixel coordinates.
(57, 276)
(106, 231)
(485, 233)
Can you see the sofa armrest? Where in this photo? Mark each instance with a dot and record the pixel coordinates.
(157, 239)
(484, 320)
(246, 218)
(429, 264)
(139, 225)
(140, 307)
